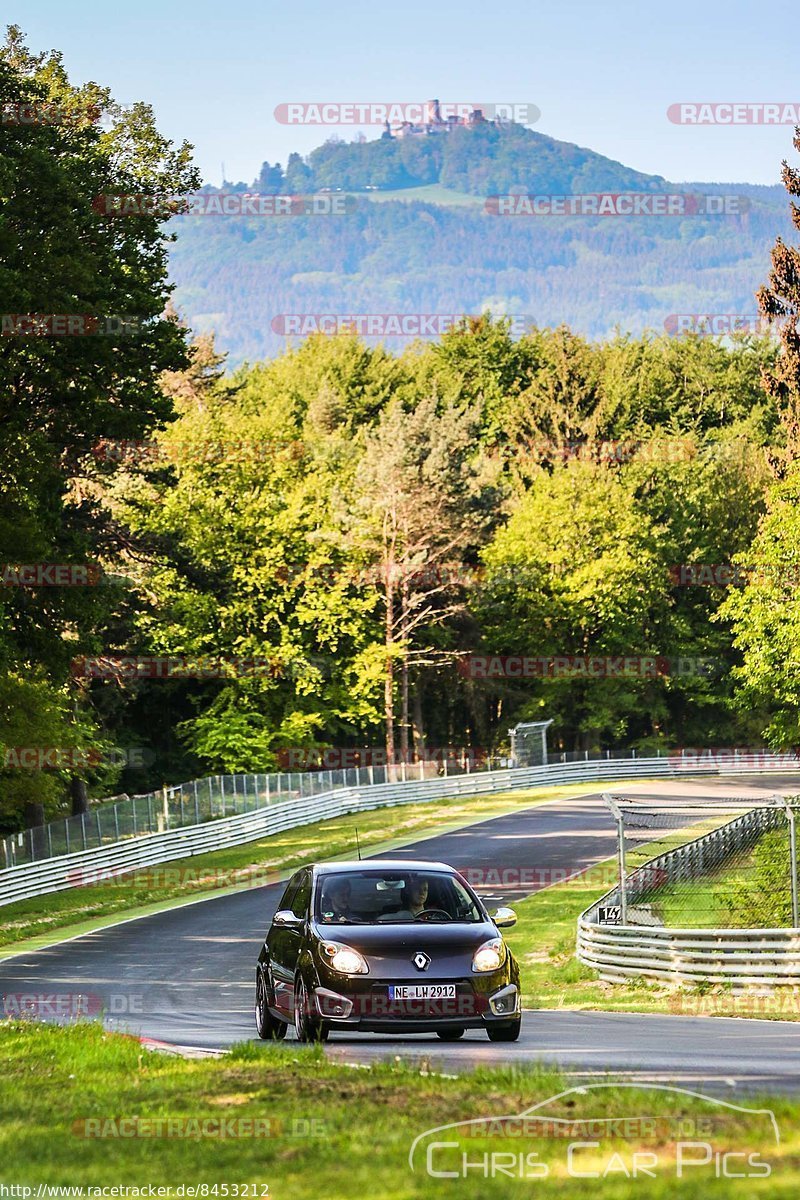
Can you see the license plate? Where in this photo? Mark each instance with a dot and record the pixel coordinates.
(423, 991)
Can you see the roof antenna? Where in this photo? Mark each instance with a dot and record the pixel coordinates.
(358, 847)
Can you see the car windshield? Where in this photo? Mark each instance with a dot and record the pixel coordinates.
(392, 898)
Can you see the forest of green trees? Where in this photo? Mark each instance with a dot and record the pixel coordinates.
(207, 570)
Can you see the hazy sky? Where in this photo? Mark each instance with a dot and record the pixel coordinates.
(602, 72)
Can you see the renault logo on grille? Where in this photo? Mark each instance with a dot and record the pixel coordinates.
(421, 961)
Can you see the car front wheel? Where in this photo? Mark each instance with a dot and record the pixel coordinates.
(307, 1027)
(268, 1028)
(450, 1035)
(504, 1031)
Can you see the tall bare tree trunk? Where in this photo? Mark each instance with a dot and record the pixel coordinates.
(79, 794)
(404, 721)
(388, 695)
(418, 728)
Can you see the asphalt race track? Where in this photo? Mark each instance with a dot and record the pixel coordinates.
(185, 976)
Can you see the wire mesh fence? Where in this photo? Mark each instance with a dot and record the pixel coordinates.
(213, 797)
(208, 799)
(711, 865)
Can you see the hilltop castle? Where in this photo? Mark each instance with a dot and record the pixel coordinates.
(434, 122)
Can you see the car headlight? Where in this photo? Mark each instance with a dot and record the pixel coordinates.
(489, 956)
(344, 959)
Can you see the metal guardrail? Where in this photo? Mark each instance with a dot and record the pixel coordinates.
(210, 799)
(690, 956)
(217, 797)
(74, 870)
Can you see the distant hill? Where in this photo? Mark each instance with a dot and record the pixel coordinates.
(418, 240)
(481, 161)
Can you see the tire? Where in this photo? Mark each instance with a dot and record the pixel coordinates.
(268, 1028)
(307, 1028)
(505, 1031)
(450, 1035)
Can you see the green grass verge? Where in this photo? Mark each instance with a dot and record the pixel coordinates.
(304, 1128)
(32, 924)
(552, 977)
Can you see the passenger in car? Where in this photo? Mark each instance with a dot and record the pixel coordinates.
(416, 900)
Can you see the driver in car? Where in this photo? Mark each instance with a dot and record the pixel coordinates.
(336, 905)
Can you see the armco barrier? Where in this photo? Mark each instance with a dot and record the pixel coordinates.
(71, 870)
(743, 957)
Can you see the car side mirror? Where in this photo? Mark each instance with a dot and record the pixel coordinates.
(504, 918)
(285, 917)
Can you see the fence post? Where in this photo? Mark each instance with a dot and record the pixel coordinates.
(196, 805)
(620, 819)
(83, 830)
(787, 804)
(116, 823)
(149, 813)
(66, 833)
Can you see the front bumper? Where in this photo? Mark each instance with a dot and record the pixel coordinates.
(367, 1006)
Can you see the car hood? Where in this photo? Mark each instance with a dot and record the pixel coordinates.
(390, 949)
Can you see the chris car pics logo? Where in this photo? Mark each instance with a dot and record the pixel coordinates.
(686, 1135)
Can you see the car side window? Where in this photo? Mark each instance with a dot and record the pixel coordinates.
(302, 897)
(288, 896)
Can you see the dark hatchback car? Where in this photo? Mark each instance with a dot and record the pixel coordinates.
(386, 946)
